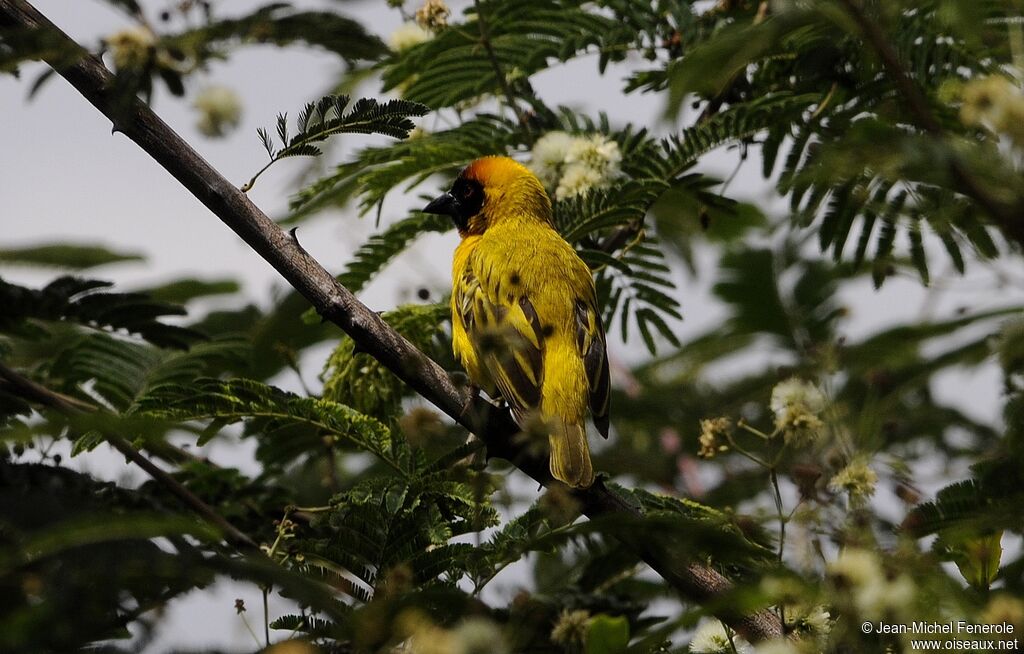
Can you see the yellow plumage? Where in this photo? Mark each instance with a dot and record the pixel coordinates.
(524, 310)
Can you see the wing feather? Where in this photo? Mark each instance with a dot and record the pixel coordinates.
(590, 342)
(506, 334)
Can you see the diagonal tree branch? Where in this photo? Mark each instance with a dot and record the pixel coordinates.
(694, 581)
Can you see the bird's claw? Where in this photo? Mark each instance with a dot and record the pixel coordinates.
(474, 395)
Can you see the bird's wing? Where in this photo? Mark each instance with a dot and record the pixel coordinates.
(590, 343)
(507, 336)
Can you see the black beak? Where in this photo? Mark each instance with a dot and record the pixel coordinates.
(445, 205)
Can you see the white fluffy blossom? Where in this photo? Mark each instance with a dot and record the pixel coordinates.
(408, 35)
(712, 638)
(815, 620)
(596, 151)
(797, 405)
(796, 391)
(433, 15)
(859, 574)
(809, 622)
(548, 157)
(571, 166)
(131, 47)
(996, 103)
(890, 596)
(478, 636)
(856, 479)
(220, 110)
(578, 180)
(571, 628)
(856, 567)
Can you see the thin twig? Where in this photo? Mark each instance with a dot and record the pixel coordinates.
(266, 615)
(245, 621)
(916, 100)
(499, 73)
(32, 391)
(696, 581)
(620, 237)
(774, 475)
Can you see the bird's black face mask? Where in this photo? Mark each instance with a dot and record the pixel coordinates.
(461, 203)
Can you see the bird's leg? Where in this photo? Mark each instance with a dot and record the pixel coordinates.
(462, 380)
(474, 395)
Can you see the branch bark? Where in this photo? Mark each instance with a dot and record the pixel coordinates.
(694, 581)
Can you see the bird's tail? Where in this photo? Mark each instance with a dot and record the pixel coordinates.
(570, 454)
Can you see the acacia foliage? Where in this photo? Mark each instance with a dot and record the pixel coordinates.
(382, 521)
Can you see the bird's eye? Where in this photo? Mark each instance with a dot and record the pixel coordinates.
(469, 197)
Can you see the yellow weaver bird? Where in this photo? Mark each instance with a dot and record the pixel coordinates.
(525, 321)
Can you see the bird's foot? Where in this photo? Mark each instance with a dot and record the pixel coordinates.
(474, 395)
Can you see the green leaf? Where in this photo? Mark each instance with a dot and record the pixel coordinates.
(62, 255)
(87, 442)
(90, 531)
(271, 410)
(381, 248)
(184, 290)
(733, 125)
(978, 559)
(607, 634)
(279, 24)
(711, 66)
(524, 36)
(367, 385)
(376, 171)
(121, 371)
(82, 301)
(319, 121)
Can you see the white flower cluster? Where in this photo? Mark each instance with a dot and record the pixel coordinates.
(807, 624)
(856, 479)
(131, 47)
(571, 628)
(220, 110)
(571, 166)
(859, 574)
(797, 405)
(433, 15)
(471, 636)
(713, 434)
(996, 103)
(810, 628)
(408, 35)
(712, 638)
(810, 620)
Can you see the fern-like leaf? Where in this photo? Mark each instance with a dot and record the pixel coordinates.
(85, 302)
(318, 121)
(376, 171)
(269, 410)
